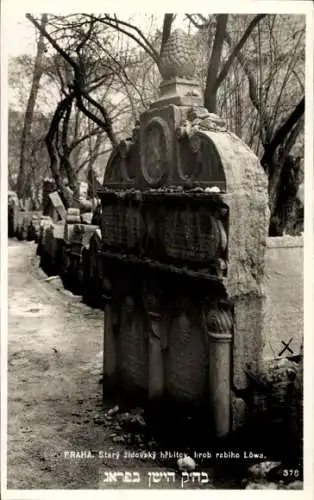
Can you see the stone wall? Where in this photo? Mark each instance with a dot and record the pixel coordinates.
(284, 296)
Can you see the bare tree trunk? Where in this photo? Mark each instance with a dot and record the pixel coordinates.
(93, 152)
(52, 142)
(168, 20)
(25, 156)
(285, 205)
(65, 150)
(210, 97)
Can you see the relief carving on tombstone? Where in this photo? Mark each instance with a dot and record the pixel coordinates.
(132, 346)
(156, 150)
(111, 357)
(157, 342)
(187, 359)
(135, 227)
(124, 160)
(198, 156)
(218, 317)
(113, 224)
(191, 234)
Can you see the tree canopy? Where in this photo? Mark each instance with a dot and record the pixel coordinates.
(102, 71)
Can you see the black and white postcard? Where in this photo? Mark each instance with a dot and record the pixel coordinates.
(156, 248)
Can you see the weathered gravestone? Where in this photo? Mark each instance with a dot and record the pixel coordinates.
(92, 270)
(12, 213)
(184, 226)
(34, 228)
(48, 208)
(77, 236)
(58, 204)
(51, 245)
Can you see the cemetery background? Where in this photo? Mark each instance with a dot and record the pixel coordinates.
(284, 167)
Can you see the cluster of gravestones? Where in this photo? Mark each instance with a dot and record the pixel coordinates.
(68, 242)
(22, 224)
(69, 248)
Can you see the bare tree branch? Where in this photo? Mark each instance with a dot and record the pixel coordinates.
(84, 137)
(93, 155)
(283, 131)
(141, 40)
(55, 45)
(78, 86)
(285, 80)
(86, 37)
(295, 74)
(264, 119)
(195, 23)
(222, 75)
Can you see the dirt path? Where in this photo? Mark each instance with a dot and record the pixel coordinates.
(52, 385)
(54, 389)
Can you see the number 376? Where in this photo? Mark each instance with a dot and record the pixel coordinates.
(291, 473)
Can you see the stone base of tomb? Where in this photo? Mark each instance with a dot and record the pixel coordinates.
(179, 92)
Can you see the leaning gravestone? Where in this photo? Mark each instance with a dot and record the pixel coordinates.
(184, 226)
(58, 204)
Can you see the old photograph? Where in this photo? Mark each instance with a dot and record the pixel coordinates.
(155, 237)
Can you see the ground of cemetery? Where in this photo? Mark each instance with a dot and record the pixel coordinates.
(55, 401)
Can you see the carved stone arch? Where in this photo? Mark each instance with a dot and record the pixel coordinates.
(199, 161)
(113, 168)
(122, 163)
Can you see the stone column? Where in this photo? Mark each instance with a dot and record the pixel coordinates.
(219, 324)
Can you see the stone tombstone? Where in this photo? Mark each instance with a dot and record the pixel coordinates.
(184, 225)
(58, 204)
(49, 187)
(13, 205)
